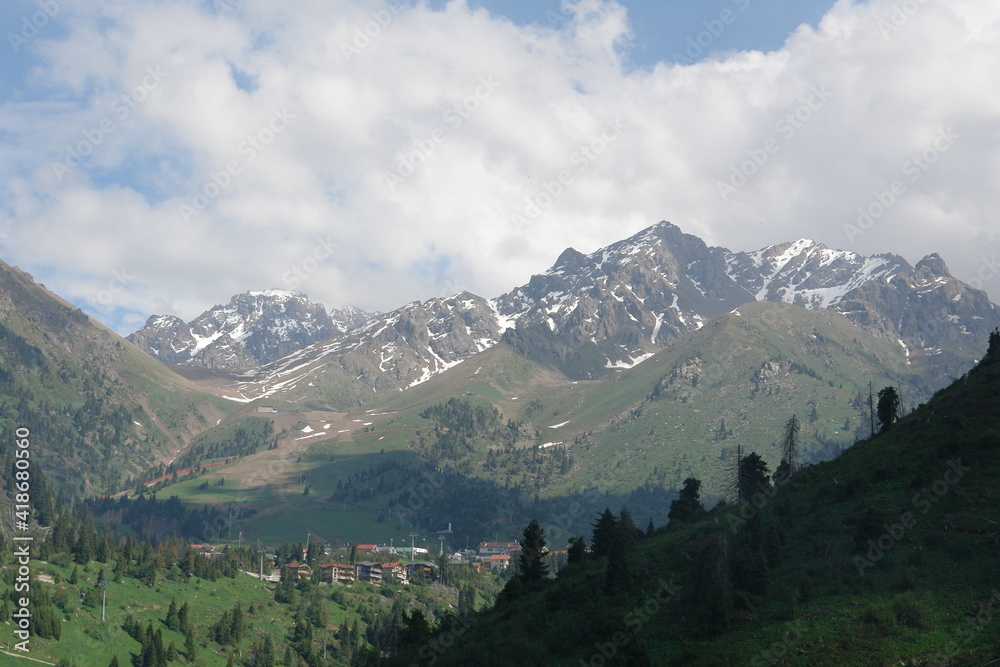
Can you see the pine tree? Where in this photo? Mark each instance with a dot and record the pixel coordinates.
(533, 552)
(687, 508)
(83, 549)
(629, 533)
(994, 344)
(888, 408)
(264, 653)
(604, 532)
(577, 551)
(466, 600)
(790, 444)
(189, 648)
(617, 577)
(416, 630)
(183, 622)
(753, 475)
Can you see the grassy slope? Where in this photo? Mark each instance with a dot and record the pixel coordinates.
(77, 356)
(929, 594)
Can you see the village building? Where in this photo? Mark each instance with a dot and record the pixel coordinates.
(369, 549)
(368, 571)
(419, 567)
(395, 571)
(497, 562)
(206, 550)
(337, 573)
(299, 570)
(497, 548)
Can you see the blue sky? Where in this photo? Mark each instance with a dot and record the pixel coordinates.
(159, 157)
(662, 30)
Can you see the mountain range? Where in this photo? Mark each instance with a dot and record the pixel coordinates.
(587, 316)
(254, 328)
(602, 351)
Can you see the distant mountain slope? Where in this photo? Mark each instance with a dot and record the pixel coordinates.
(98, 408)
(939, 320)
(254, 328)
(388, 353)
(587, 316)
(735, 382)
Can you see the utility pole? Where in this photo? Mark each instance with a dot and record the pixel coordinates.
(103, 583)
(260, 550)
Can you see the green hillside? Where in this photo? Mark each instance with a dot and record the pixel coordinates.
(886, 555)
(101, 409)
(736, 382)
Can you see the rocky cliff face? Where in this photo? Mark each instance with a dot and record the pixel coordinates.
(254, 328)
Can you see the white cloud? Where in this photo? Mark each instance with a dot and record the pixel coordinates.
(479, 119)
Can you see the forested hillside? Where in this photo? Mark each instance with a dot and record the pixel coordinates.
(884, 556)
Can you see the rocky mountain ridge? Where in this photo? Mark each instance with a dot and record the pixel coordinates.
(253, 329)
(593, 314)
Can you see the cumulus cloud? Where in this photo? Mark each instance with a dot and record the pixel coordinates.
(374, 153)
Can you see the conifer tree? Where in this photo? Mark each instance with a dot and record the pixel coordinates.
(172, 621)
(753, 475)
(789, 449)
(184, 623)
(888, 408)
(577, 551)
(416, 630)
(533, 551)
(604, 532)
(189, 648)
(629, 533)
(687, 508)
